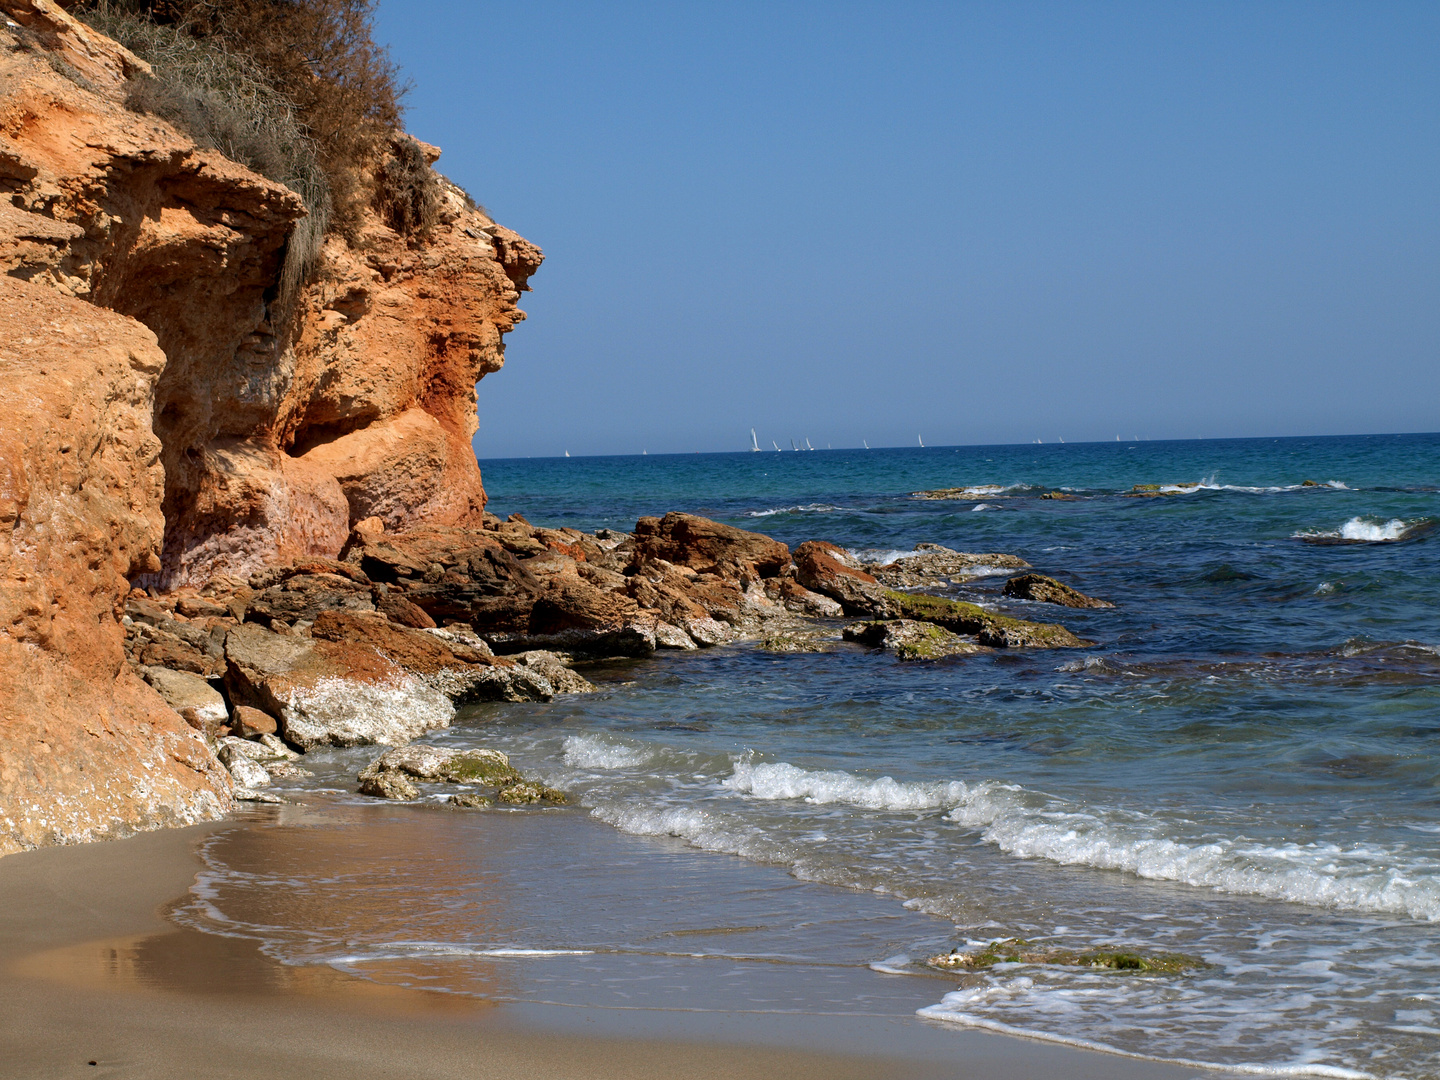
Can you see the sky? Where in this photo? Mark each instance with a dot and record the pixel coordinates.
(971, 222)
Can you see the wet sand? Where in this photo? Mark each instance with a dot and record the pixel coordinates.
(96, 982)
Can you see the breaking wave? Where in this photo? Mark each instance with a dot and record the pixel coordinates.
(1361, 530)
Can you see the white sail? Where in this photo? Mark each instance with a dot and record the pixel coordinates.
(867, 445)
(807, 444)
(922, 441)
(754, 442)
(776, 445)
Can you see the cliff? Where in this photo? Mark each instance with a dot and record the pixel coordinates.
(169, 417)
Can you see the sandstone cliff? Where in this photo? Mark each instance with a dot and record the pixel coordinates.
(166, 419)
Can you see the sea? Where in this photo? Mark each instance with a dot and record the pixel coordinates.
(1243, 768)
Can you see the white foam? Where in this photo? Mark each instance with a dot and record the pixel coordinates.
(1031, 825)
(1067, 1007)
(811, 508)
(1361, 530)
(604, 752)
(1356, 878)
(784, 781)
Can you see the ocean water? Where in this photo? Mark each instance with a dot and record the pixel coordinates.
(1244, 768)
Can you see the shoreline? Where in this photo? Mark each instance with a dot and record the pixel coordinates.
(82, 937)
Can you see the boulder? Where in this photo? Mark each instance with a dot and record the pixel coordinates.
(573, 616)
(708, 546)
(389, 785)
(824, 568)
(246, 772)
(326, 692)
(249, 722)
(911, 639)
(802, 601)
(183, 690)
(301, 597)
(668, 636)
(549, 666)
(1047, 590)
(438, 764)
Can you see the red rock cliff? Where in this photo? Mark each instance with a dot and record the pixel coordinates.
(160, 423)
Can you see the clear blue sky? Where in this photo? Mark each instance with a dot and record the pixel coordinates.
(983, 222)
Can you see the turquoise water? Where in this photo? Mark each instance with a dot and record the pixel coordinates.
(1244, 767)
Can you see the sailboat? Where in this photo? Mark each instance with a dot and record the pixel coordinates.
(807, 445)
(793, 446)
(922, 441)
(776, 445)
(867, 445)
(1062, 438)
(567, 453)
(754, 442)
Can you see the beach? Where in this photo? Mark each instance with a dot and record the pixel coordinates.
(94, 973)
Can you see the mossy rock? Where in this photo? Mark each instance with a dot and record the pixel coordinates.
(790, 643)
(996, 631)
(470, 801)
(480, 767)
(1020, 951)
(529, 792)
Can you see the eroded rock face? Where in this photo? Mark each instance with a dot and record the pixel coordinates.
(824, 568)
(87, 749)
(280, 429)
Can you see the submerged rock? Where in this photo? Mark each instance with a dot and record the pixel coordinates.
(553, 670)
(1019, 951)
(911, 639)
(1047, 590)
(391, 776)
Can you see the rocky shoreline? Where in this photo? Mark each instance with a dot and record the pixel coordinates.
(382, 645)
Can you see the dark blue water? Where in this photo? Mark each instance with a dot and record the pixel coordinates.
(1244, 767)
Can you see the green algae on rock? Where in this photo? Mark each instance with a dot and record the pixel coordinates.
(1020, 951)
(988, 628)
(911, 639)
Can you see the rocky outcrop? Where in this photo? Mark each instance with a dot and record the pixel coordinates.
(1046, 590)
(168, 421)
(826, 568)
(393, 775)
(279, 428)
(933, 567)
(87, 748)
(912, 640)
(987, 627)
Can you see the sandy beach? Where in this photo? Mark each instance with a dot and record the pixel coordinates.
(99, 983)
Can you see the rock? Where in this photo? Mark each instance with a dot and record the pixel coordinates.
(704, 630)
(195, 607)
(245, 794)
(470, 800)
(1047, 590)
(708, 546)
(389, 785)
(87, 749)
(438, 764)
(825, 568)
(326, 692)
(911, 640)
(246, 772)
(250, 722)
(529, 792)
(574, 616)
(1059, 495)
(183, 690)
(397, 609)
(672, 637)
(470, 676)
(783, 642)
(934, 566)
(549, 667)
(461, 640)
(997, 631)
(795, 597)
(301, 597)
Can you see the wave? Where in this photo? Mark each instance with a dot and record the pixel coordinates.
(1032, 825)
(1026, 998)
(1361, 530)
(593, 752)
(784, 781)
(810, 508)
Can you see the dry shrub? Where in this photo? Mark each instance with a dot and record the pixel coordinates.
(226, 102)
(407, 190)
